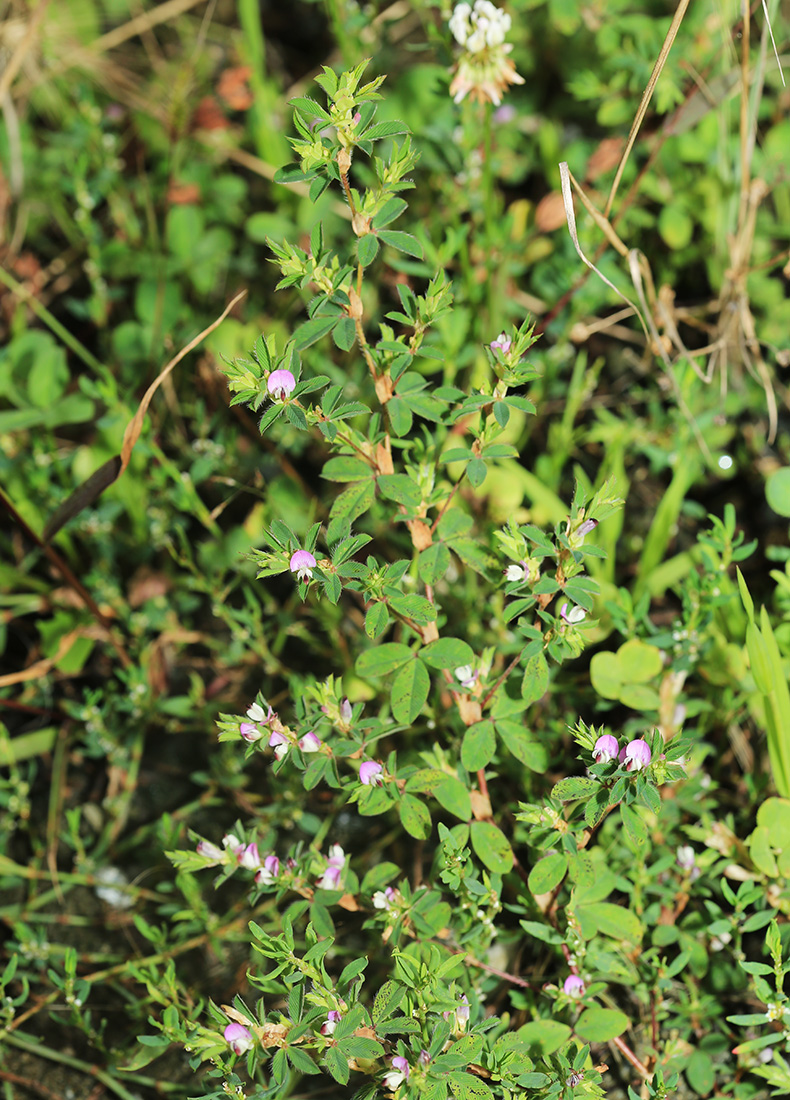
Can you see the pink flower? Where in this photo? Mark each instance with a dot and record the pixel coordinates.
(606, 749)
(333, 1018)
(280, 383)
(330, 879)
(238, 1038)
(269, 872)
(398, 1074)
(503, 343)
(345, 710)
(232, 843)
(574, 986)
(337, 857)
(309, 743)
(280, 743)
(635, 755)
(248, 857)
(302, 563)
(370, 774)
(210, 851)
(249, 732)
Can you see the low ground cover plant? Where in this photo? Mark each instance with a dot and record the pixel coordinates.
(470, 774)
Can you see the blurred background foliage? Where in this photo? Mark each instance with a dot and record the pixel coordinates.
(138, 150)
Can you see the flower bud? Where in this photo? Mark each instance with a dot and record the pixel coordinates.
(238, 1038)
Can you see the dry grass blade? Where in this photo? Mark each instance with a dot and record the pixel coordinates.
(135, 425)
(773, 43)
(18, 56)
(647, 95)
(570, 215)
(92, 488)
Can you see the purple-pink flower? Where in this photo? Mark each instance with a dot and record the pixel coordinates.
(280, 743)
(503, 343)
(269, 872)
(210, 851)
(635, 755)
(302, 563)
(333, 1018)
(238, 1038)
(249, 857)
(573, 986)
(280, 383)
(330, 879)
(249, 732)
(606, 748)
(370, 773)
(398, 1074)
(309, 743)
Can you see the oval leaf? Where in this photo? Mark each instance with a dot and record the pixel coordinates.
(479, 745)
(492, 847)
(409, 691)
(548, 873)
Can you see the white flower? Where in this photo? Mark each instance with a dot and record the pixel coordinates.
(467, 675)
(256, 713)
(515, 573)
(393, 1079)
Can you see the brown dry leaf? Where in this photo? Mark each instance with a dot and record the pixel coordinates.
(605, 157)
(183, 194)
(469, 709)
(481, 806)
(208, 115)
(146, 585)
(550, 213)
(349, 902)
(234, 90)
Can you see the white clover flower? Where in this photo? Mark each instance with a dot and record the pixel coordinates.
(484, 70)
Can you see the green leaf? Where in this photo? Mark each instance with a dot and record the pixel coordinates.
(433, 564)
(387, 1000)
(466, 1087)
(614, 920)
(491, 846)
(400, 416)
(639, 662)
(634, 825)
(386, 129)
(400, 488)
(382, 659)
(575, 786)
(600, 1025)
(414, 816)
(476, 471)
(479, 745)
(376, 620)
(518, 741)
(548, 873)
(346, 468)
(350, 505)
(337, 1065)
(367, 249)
(544, 1036)
(312, 331)
(301, 1061)
(536, 678)
(700, 1073)
(404, 242)
(777, 491)
(414, 607)
(453, 796)
(447, 653)
(409, 691)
